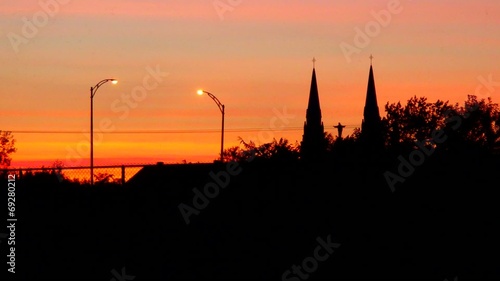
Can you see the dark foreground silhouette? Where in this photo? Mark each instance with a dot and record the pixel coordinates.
(441, 222)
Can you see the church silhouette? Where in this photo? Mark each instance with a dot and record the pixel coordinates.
(314, 143)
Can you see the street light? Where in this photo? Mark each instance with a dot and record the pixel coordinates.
(222, 110)
(93, 90)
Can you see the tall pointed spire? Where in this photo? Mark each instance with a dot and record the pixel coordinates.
(371, 131)
(313, 114)
(371, 112)
(313, 143)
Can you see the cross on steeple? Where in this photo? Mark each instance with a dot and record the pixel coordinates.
(314, 62)
(371, 59)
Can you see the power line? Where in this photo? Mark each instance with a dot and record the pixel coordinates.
(198, 131)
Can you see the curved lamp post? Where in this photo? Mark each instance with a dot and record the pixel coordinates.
(93, 90)
(222, 110)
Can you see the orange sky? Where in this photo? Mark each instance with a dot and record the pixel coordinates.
(255, 57)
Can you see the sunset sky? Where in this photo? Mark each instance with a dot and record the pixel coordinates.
(255, 56)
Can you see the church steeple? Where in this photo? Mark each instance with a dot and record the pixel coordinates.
(371, 113)
(313, 114)
(313, 143)
(371, 131)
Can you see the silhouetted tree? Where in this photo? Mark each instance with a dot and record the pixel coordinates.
(105, 178)
(7, 143)
(346, 148)
(56, 169)
(404, 125)
(235, 153)
(280, 150)
(330, 142)
(474, 126)
(354, 137)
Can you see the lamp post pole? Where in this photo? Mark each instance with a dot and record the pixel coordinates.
(91, 136)
(222, 137)
(222, 109)
(93, 91)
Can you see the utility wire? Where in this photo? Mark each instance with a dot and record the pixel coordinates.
(199, 131)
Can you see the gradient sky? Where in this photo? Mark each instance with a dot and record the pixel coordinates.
(255, 57)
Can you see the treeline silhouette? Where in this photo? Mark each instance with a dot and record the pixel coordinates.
(270, 209)
(471, 128)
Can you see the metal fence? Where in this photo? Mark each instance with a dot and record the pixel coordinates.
(115, 174)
